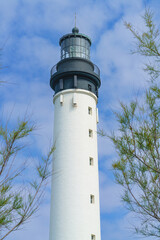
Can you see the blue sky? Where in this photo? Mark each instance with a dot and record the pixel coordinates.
(30, 32)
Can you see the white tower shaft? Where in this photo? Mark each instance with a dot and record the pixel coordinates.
(75, 211)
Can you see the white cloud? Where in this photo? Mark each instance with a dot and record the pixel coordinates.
(34, 28)
(8, 12)
(33, 100)
(110, 194)
(120, 228)
(35, 53)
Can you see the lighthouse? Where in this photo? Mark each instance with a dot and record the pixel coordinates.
(75, 210)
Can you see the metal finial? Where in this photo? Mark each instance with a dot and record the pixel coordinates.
(75, 30)
(75, 19)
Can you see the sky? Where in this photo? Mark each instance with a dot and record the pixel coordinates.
(30, 32)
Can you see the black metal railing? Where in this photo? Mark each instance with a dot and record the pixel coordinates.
(96, 70)
(54, 69)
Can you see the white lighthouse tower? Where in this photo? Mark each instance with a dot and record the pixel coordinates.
(75, 213)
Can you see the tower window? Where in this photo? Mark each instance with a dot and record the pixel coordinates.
(89, 87)
(61, 84)
(92, 199)
(89, 110)
(93, 237)
(90, 133)
(91, 163)
(75, 81)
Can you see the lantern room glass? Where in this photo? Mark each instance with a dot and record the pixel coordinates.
(75, 47)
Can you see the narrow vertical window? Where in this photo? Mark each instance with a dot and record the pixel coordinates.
(61, 84)
(92, 199)
(75, 81)
(90, 133)
(89, 87)
(91, 163)
(96, 91)
(93, 237)
(89, 110)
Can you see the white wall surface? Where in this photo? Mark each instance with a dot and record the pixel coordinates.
(73, 217)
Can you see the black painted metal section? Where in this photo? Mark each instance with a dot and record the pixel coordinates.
(75, 70)
(76, 73)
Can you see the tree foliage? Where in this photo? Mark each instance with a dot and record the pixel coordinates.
(21, 186)
(19, 199)
(137, 142)
(148, 43)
